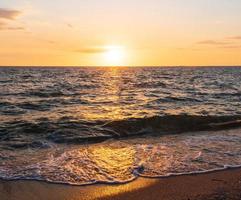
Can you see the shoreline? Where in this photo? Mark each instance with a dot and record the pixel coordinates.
(218, 185)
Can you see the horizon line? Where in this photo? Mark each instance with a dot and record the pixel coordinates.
(141, 66)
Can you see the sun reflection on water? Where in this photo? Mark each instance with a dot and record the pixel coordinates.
(116, 162)
(110, 101)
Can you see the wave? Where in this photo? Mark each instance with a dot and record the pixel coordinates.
(173, 124)
(225, 167)
(136, 175)
(22, 134)
(123, 161)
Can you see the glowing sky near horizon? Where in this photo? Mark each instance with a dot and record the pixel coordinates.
(153, 32)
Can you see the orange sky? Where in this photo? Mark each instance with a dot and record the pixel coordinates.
(111, 32)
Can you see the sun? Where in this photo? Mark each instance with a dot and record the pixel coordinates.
(114, 55)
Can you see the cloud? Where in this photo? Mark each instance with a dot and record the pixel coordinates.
(70, 25)
(225, 43)
(9, 14)
(46, 41)
(4, 26)
(231, 42)
(50, 41)
(235, 38)
(212, 42)
(91, 50)
(15, 28)
(232, 47)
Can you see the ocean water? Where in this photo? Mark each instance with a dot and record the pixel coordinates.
(113, 124)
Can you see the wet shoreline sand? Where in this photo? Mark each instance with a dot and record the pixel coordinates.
(218, 185)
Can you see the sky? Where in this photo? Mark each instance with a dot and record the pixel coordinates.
(120, 32)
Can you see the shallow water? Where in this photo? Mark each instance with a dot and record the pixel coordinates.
(120, 161)
(88, 125)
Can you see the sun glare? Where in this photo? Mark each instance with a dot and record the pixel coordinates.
(114, 55)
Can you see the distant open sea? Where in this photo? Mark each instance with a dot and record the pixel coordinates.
(86, 125)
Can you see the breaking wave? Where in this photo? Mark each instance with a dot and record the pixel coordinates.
(23, 134)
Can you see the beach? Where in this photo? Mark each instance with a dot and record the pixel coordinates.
(219, 185)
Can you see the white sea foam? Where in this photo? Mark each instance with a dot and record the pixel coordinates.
(125, 160)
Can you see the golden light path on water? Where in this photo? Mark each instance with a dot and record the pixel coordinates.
(115, 93)
(112, 162)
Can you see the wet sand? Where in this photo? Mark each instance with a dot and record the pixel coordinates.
(215, 185)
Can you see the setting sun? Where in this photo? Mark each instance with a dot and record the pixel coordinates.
(114, 55)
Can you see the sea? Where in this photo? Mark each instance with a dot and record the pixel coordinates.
(88, 125)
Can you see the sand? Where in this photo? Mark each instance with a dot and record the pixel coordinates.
(215, 185)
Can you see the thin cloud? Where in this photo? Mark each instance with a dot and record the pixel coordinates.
(91, 50)
(225, 43)
(235, 38)
(233, 42)
(45, 40)
(232, 47)
(50, 41)
(4, 26)
(212, 42)
(70, 25)
(9, 14)
(15, 28)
